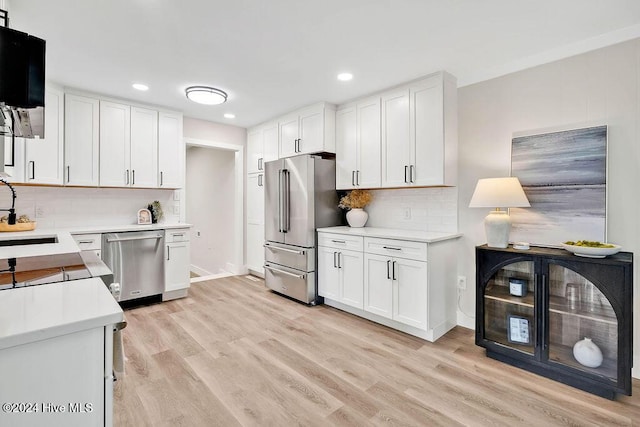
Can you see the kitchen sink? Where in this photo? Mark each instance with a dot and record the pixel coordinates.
(31, 241)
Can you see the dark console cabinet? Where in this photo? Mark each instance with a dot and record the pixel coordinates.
(533, 306)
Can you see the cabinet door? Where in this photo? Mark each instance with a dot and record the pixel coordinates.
(396, 140)
(269, 143)
(255, 198)
(351, 266)
(427, 132)
(144, 147)
(346, 148)
(410, 292)
(81, 140)
(580, 314)
(254, 150)
(115, 144)
(255, 249)
(170, 150)
(176, 266)
(44, 157)
(507, 319)
(311, 131)
(328, 273)
(378, 286)
(369, 144)
(288, 136)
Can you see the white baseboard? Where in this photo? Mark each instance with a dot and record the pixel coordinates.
(200, 271)
(211, 277)
(635, 371)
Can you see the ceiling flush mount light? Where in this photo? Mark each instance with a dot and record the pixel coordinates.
(140, 86)
(498, 193)
(345, 77)
(206, 95)
(229, 116)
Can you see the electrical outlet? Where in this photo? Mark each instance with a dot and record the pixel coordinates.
(406, 213)
(176, 209)
(39, 212)
(462, 283)
(176, 195)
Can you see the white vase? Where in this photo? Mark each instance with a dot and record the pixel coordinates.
(587, 353)
(357, 217)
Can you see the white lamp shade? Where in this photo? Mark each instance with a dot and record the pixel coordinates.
(499, 193)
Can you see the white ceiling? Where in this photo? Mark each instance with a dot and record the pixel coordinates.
(273, 56)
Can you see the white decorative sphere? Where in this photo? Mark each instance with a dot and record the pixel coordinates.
(587, 353)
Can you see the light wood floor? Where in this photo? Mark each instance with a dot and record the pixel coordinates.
(233, 353)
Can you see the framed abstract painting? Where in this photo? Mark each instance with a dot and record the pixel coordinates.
(564, 175)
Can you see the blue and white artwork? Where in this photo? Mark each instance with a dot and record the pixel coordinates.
(564, 175)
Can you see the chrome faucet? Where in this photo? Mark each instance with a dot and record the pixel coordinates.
(12, 210)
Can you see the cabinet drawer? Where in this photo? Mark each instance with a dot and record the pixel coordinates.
(88, 242)
(177, 235)
(396, 248)
(340, 241)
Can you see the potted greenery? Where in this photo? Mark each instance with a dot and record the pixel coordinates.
(355, 201)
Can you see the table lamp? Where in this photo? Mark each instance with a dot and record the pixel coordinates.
(498, 193)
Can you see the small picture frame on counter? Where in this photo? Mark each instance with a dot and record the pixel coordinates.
(144, 216)
(518, 329)
(518, 287)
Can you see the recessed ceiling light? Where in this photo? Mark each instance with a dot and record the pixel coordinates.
(229, 116)
(140, 86)
(206, 95)
(345, 77)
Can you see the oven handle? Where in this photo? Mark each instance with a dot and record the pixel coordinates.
(128, 239)
(297, 276)
(266, 245)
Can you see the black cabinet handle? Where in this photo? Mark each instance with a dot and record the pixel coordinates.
(68, 174)
(335, 263)
(161, 178)
(357, 177)
(388, 270)
(353, 178)
(133, 179)
(406, 169)
(393, 269)
(391, 248)
(339, 259)
(411, 173)
(33, 169)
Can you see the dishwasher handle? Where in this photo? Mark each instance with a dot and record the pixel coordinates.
(128, 239)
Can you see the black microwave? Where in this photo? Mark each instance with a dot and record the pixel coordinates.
(22, 72)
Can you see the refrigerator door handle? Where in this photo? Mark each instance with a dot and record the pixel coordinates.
(297, 276)
(280, 200)
(285, 199)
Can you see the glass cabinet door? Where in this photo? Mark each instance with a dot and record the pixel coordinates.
(510, 307)
(583, 328)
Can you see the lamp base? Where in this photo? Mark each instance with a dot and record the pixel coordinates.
(497, 226)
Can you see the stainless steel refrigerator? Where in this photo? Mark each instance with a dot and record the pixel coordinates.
(300, 196)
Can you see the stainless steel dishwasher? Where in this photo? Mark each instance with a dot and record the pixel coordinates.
(136, 259)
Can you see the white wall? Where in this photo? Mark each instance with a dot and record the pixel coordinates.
(210, 184)
(599, 86)
(73, 207)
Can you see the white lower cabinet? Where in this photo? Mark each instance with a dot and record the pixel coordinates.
(255, 222)
(65, 380)
(177, 263)
(340, 275)
(390, 281)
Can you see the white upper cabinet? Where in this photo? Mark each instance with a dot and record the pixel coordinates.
(262, 146)
(358, 145)
(45, 157)
(309, 130)
(81, 140)
(419, 133)
(144, 147)
(170, 150)
(115, 144)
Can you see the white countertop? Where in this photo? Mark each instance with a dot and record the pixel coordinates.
(37, 313)
(392, 233)
(87, 229)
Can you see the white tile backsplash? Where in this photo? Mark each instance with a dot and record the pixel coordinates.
(432, 209)
(54, 207)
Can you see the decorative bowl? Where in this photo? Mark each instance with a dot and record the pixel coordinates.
(590, 252)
